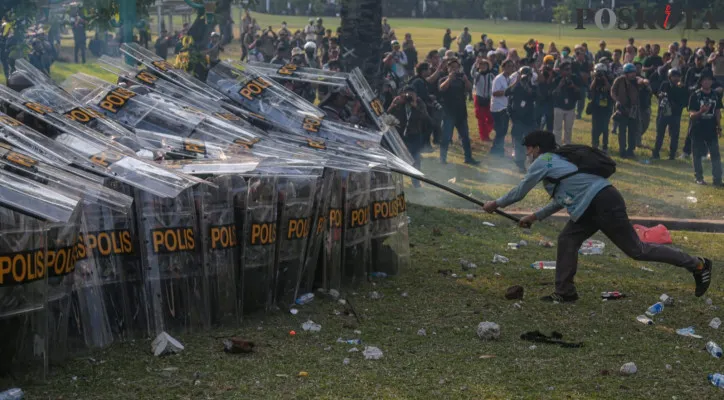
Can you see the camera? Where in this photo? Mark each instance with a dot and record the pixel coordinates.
(408, 96)
(459, 75)
(436, 104)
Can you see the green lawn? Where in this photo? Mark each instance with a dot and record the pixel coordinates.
(447, 362)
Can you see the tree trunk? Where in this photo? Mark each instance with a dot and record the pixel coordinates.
(362, 33)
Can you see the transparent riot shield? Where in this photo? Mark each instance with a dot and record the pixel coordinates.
(313, 269)
(23, 286)
(356, 255)
(402, 223)
(295, 213)
(173, 271)
(291, 72)
(60, 264)
(259, 242)
(240, 197)
(220, 248)
(384, 216)
(63, 147)
(333, 242)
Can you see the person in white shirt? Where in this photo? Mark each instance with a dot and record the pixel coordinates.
(525, 62)
(310, 31)
(397, 60)
(499, 107)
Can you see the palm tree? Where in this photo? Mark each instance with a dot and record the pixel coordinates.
(361, 38)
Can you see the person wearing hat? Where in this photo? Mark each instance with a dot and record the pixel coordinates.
(213, 49)
(482, 94)
(310, 55)
(463, 40)
(705, 112)
(468, 60)
(673, 97)
(544, 94)
(310, 31)
(410, 111)
(625, 94)
(566, 94)
(603, 52)
(454, 89)
(396, 61)
(447, 39)
(716, 61)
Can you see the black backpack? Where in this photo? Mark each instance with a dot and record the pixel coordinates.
(587, 159)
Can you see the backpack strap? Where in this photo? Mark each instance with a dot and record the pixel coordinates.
(557, 181)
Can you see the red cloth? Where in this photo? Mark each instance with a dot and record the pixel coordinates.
(657, 234)
(485, 120)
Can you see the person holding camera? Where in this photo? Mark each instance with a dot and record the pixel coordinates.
(396, 61)
(625, 92)
(600, 106)
(482, 93)
(705, 112)
(453, 91)
(565, 95)
(521, 99)
(716, 60)
(413, 119)
(673, 97)
(424, 82)
(544, 95)
(499, 107)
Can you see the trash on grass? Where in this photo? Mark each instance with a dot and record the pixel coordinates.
(303, 374)
(345, 361)
(12, 394)
(554, 338)
(513, 246)
(311, 326)
(717, 380)
(657, 234)
(546, 243)
(612, 295)
(709, 301)
(655, 309)
(514, 292)
(349, 341)
(518, 306)
(487, 356)
(692, 199)
(666, 299)
(452, 180)
(715, 323)
(294, 311)
(467, 264)
(375, 295)
(628, 369)
(592, 247)
(165, 344)
(713, 349)
(647, 269)
(334, 293)
(378, 274)
(543, 265)
(488, 330)
(372, 353)
(486, 223)
(404, 294)
(305, 298)
(292, 333)
(688, 331)
(421, 332)
(645, 320)
(522, 243)
(237, 345)
(500, 259)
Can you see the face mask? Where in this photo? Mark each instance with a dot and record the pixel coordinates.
(565, 53)
(284, 26)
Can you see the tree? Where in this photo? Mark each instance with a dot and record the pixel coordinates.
(561, 14)
(494, 8)
(361, 37)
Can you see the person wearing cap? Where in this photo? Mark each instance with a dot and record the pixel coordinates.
(705, 112)
(396, 61)
(582, 69)
(566, 94)
(425, 85)
(463, 40)
(544, 94)
(414, 121)
(310, 55)
(600, 106)
(213, 48)
(625, 92)
(673, 97)
(447, 39)
(603, 52)
(521, 96)
(693, 75)
(482, 94)
(310, 31)
(499, 107)
(524, 62)
(454, 89)
(468, 60)
(335, 104)
(386, 28)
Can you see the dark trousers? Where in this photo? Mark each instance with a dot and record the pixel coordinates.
(79, 47)
(704, 140)
(544, 111)
(501, 120)
(436, 127)
(627, 136)
(450, 123)
(674, 123)
(687, 141)
(581, 103)
(599, 127)
(607, 213)
(645, 122)
(518, 132)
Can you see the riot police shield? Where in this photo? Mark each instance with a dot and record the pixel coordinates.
(356, 255)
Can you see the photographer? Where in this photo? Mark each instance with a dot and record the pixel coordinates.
(544, 95)
(716, 60)
(482, 93)
(625, 92)
(673, 96)
(522, 112)
(705, 112)
(582, 69)
(453, 92)
(423, 83)
(414, 121)
(396, 61)
(600, 106)
(565, 95)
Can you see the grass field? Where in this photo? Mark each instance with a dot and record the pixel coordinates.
(446, 363)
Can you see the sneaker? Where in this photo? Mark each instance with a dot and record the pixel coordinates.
(700, 182)
(718, 184)
(702, 276)
(684, 156)
(557, 298)
(472, 161)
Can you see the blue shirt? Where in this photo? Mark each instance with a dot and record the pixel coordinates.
(575, 193)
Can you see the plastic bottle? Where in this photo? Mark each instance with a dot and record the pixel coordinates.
(655, 309)
(378, 274)
(305, 298)
(715, 323)
(612, 295)
(644, 320)
(543, 265)
(592, 247)
(713, 349)
(12, 394)
(717, 380)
